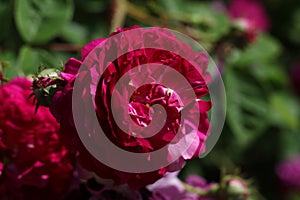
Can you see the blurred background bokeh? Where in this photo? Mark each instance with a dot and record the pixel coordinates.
(256, 45)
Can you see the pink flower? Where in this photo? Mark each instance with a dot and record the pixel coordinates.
(34, 163)
(139, 107)
(288, 173)
(295, 77)
(250, 13)
(170, 187)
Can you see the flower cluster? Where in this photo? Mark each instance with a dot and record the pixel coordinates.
(33, 162)
(194, 188)
(170, 187)
(197, 188)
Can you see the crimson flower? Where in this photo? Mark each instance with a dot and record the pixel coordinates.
(288, 172)
(33, 162)
(251, 13)
(138, 106)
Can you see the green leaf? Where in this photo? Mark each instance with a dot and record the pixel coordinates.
(285, 111)
(30, 59)
(75, 33)
(294, 195)
(172, 6)
(295, 31)
(271, 73)
(209, 25)
(40, 21)
(100, 31)
(5, 17)
(264, 50)
(92, 6)
(289, 141)
(10, 70)
(246, 109)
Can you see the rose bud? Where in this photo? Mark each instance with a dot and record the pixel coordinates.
(45, 84)
(236, 188)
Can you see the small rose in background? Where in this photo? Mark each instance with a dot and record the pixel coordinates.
(288, 172)
(295, 77)
(33, 162)
(250, 16)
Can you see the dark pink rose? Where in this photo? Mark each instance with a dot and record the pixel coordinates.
(250, 13)
(138, 107)
(288, 173)
(295, 77)
(36, 165)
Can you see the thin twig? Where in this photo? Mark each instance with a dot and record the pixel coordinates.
(119, 14)
(65, 47)
(140, 14)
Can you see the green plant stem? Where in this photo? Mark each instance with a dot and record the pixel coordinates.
(65, 47)
(140, 14)
(119, 14)
(212, 191)
(195, 190)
